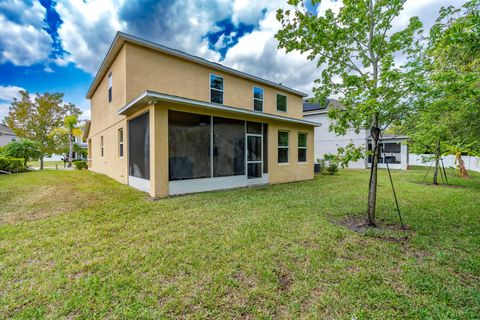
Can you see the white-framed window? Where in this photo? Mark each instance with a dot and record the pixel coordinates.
(302, 147)
(110, 87)
(283, 146)
(257, 99)
(281, 102)
(101, 146)
(120, 142)
(216, 89)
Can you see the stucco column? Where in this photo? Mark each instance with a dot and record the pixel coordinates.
(158, 151)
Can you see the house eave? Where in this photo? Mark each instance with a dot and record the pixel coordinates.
(151, 97)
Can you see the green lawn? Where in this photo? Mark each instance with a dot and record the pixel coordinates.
(74, 244)
(47, 164)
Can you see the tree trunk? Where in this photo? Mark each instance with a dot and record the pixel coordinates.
(437, 162)
(41, 162)
(372, 187)
(461, 166)
(70, 150)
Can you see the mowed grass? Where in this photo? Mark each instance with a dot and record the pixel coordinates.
(48, 164)
(74, 244)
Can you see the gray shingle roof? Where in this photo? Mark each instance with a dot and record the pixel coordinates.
(314, 106)
(6, 130)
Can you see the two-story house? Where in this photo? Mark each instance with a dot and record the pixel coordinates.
(168, 123)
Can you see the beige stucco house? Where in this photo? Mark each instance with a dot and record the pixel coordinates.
(168, 123)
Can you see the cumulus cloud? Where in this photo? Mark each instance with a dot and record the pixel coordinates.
(87, 30)
(23, 41)
(257, 53)
(7, 93)
(89, 27)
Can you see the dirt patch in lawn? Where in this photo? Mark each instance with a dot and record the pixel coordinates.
(383, 230)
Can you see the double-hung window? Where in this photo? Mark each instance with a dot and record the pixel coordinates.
(216, 89)
(110, 87)
(101, 146)
(282, 146)
(281, 102)
(120, 142)
(302, 147)
(257, 99)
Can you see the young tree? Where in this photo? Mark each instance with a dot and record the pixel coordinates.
(358, 51)
(26, 149)
(448, 112)
(35, 118)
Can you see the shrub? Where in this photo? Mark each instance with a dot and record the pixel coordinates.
(328, 166)
(13, 165)
(80, 164)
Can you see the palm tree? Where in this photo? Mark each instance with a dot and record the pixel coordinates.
(71, 126)
(457, 150)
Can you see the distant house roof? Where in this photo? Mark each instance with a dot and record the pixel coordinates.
(391, 137)
(4, 130)
(121, 38)
(309, 106)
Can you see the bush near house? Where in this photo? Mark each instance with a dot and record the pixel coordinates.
(80, 164)
(13, 165)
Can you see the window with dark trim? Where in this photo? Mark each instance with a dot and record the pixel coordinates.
(110, 87)
(302, 147)
(216, 89)
(282, 146)
(120, 142)
(101, 146)
(281, 102)
(257, 99)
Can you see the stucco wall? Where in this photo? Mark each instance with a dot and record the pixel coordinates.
(328, 142)
(151, 70)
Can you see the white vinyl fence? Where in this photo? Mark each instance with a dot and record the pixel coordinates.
(471, 163)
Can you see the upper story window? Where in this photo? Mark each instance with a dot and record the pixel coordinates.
(216, 89)
(110, 87)
(281, 102)
(257, 99)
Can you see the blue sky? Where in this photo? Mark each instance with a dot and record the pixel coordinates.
(48, 46)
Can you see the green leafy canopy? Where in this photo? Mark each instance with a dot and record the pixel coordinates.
(357, 48)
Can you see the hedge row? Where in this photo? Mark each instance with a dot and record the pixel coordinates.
(13, 165)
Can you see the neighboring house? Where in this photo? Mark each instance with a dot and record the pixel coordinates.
(326, 141)
(6, 135)
(167, 122)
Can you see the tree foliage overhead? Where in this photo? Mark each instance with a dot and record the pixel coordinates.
(356, 49)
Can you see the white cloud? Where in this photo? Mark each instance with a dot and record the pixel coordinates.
(257, 53)
(23, 41)
(89, 27)
(7, 93)
(87, 30)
